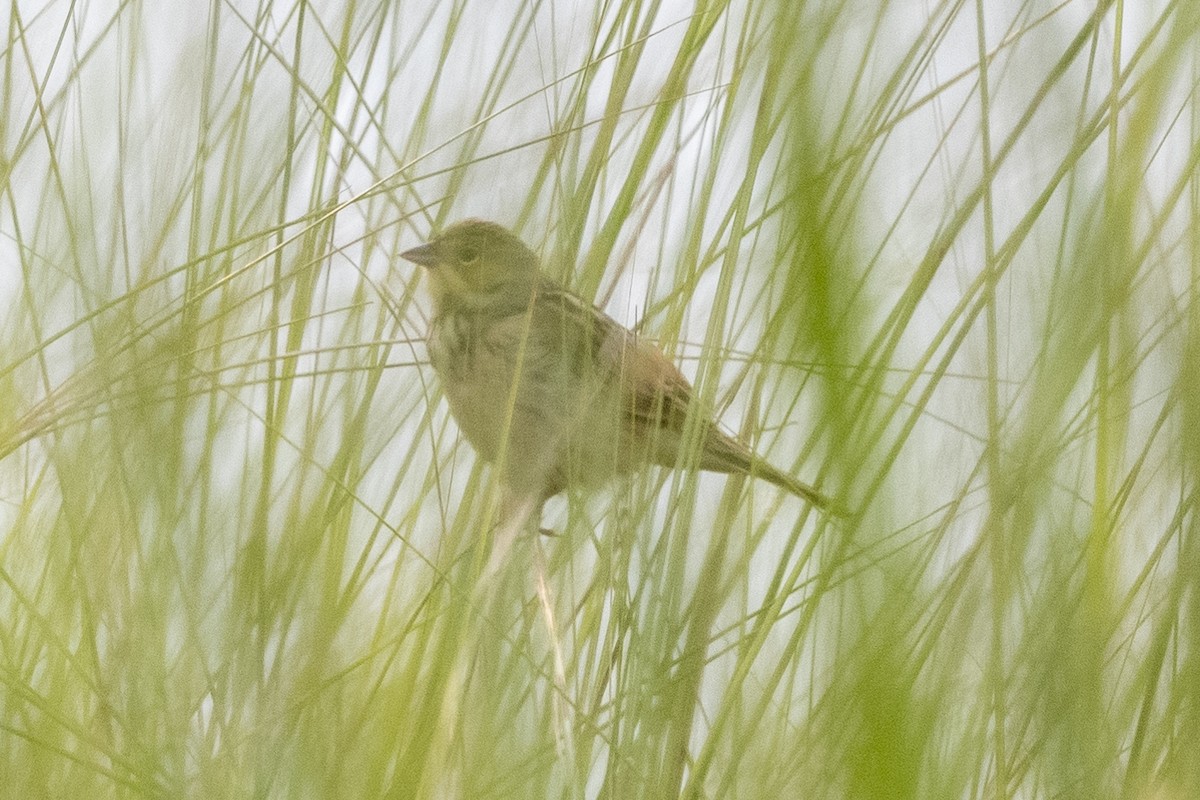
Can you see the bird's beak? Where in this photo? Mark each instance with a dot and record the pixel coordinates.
(425, 255)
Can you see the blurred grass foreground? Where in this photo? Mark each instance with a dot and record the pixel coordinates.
(941, 258)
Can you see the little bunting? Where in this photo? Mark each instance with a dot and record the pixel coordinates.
(549, 389)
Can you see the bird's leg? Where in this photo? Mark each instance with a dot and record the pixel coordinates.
(519, 512)
(516, 512)
(560, 705)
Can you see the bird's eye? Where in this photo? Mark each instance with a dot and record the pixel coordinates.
(468, 256)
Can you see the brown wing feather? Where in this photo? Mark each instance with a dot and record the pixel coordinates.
(655, 397)
(658, 396)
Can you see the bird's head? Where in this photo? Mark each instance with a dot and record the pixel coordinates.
(478, 264)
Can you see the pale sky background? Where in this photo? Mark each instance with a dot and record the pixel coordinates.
(129, 140)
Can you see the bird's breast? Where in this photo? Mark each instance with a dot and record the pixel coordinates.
(533, 389)
(478, 358)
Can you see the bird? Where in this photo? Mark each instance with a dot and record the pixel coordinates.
(549, 389)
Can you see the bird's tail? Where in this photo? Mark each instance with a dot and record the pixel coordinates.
(722, 453)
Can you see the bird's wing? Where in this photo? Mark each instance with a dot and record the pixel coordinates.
(656, 395)
(653, 392)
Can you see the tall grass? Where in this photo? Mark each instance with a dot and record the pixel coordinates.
(940, 258)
